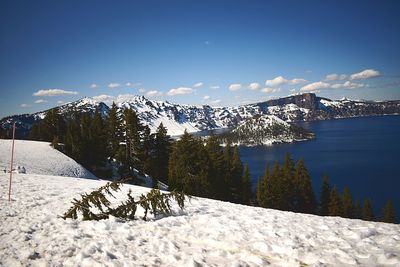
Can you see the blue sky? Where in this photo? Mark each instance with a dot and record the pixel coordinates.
(196, 52)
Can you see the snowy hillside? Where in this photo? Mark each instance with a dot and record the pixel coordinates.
(207, 232)
(40, 158)
(266, 130)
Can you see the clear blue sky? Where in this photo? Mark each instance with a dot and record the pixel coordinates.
(196, 52)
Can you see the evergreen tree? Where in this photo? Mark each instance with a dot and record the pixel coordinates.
(325, 197)
(357, 214)
(264, 190)
(161, 154)
(388, 213)
(290, 188)
(347, 202)
(97, 141)
(305, 199)
(368, 213)
(246, 186)
(132, 129)
(335, 203)
(114, 131)
(275, 198)
(236, 173)
(219, 188)
(55, 142)
(189, 167)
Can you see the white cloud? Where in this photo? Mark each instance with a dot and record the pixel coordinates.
(365, 74)
(214, 87)
(114, 85)
(180, 91)
(280, 80)
(104, 98)
(254, 86)
(93, 86)
(297, 81)
(348, 85)
(60, 102)
(197, 85)
(39, 101)
(142, 90)
(293, 90)
(315, 86)
(215, 102)
(268, 90)
(154, 93)
(276, 81)
(335, 77)
(24, 105)
(206, 97)
(128, 84)
(54, 92)
(235, 87)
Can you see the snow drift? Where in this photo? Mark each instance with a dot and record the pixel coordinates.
(40, 158)
(207, 232)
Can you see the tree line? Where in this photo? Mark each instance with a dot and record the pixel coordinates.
(192, 165)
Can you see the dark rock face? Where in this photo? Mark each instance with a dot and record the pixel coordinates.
(308, 101)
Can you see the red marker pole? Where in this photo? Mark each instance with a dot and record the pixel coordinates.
(12, 162)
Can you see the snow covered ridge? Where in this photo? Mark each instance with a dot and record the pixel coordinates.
(178, 117)
(207, 232)
(265, 130)
(40, 158)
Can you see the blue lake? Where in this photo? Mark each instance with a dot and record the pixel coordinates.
(361, 153)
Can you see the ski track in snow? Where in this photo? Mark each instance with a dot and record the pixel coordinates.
(40, 158)
(206, 233)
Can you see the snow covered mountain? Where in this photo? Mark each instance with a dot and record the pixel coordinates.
(178, 117)
(266, 130)
(206, 233)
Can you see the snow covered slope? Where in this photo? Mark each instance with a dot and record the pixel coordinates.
(206, 233)
(266, 130)
(40, 158)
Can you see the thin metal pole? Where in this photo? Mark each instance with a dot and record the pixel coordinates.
(12, 162)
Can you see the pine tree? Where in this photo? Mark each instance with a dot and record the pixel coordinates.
(189, 167)
(357, 214)
(161, 154)
(347, 202)
(263, 196)
(246, 186)
(133, 129)
(335, 203)
(217, 171)
(325, 197)
(289, 183)
(368, 213)
(388, 213)
(274, 193)
(114, 128)
(305, 199)
(236, 173)
(97, 141)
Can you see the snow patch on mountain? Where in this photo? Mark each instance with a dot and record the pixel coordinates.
(266, 130)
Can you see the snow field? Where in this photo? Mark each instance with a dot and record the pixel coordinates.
(205, 233)
(40, 158)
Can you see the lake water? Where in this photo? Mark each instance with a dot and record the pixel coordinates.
(361, 153)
